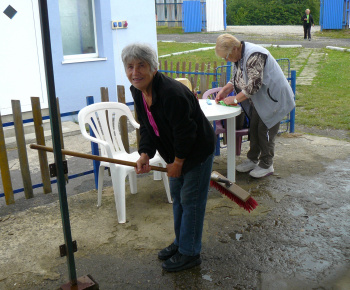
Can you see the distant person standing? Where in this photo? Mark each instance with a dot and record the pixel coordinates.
(307, 21)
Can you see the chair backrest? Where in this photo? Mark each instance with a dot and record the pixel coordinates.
(211, 93)
(185, 81)
(103, 118)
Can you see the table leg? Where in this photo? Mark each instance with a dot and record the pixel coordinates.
(231, 149)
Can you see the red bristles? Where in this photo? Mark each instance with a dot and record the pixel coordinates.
(249, 205)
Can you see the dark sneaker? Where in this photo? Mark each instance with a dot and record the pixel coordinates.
(180, 262)
(167, 252)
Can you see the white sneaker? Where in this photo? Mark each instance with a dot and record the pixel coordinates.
(259, 172)
(246, 166)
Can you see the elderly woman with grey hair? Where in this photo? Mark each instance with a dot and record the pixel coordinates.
(172, 122)
(264, 94)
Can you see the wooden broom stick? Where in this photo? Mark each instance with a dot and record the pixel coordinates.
(94, 157)
(231, 190)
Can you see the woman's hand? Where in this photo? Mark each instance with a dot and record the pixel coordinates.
(230, 101)
(228, 88)
(142, 164)
(220, 96)
(175, 168)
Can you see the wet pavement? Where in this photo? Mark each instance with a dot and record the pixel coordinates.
(297, 238)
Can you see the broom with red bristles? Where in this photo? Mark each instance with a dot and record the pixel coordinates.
(232, 191)
(218, 181)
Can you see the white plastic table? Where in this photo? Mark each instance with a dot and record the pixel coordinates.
(215, 112)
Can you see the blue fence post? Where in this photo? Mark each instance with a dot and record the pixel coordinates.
(292, 113)
(225, 15)
(94, 146)
(228, 71)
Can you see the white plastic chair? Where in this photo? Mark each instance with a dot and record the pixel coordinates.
(219, 128)
(103, 118)
(211, 94)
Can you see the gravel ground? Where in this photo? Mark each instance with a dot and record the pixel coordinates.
(297, 238)
(269, 34)
(270, 29)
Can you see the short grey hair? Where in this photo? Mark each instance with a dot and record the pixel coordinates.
(225, 43)
(142, 52)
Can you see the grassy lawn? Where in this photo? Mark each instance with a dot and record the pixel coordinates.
(324, 104)
(327, 102)
(171, 47)
(169, 30)
(331, 33)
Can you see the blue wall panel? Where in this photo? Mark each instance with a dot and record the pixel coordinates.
(191, 16)
(332, 14)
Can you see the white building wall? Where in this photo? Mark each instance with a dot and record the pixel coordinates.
(22, 72)
(141, 18)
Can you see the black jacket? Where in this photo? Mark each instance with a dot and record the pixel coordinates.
(184, 131)
(311, 20)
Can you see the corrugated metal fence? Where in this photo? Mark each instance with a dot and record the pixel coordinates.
(171, 13)
(334, 14)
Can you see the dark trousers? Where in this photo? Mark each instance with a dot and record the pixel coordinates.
(262, 141)
(190, 193)
(307, 31)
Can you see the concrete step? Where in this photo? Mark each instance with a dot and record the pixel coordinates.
(69, 128)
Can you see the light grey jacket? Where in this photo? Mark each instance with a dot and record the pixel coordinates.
(275, 99)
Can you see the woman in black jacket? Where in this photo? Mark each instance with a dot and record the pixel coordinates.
(307, 21)
(172, 122)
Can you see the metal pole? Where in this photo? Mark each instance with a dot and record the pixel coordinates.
(43, 9)
(292, 113)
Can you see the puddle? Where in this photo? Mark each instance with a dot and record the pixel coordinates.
(298, 211)
(235, 236)
(207, 277)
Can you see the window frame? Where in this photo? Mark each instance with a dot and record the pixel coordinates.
(71, 57)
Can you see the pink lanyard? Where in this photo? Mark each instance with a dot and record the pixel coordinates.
(150, 117)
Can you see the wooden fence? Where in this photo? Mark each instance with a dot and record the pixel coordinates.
(40, 139)
(202, 76)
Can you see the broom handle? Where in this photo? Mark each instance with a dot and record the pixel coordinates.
(94, 157)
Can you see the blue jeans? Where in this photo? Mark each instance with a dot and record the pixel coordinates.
(189, 193)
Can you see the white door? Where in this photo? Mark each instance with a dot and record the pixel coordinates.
(22, 73)
(215, 15)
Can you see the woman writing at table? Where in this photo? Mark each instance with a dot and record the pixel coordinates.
(172, 122)
(264, 93)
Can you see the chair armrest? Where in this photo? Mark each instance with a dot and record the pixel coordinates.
(103, 143)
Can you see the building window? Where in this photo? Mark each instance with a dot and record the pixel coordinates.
(78, 28)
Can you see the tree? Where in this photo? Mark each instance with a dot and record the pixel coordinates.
(270, 12)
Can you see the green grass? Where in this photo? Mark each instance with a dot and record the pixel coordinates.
(207, 56)
(200, 57)
(171, 47)
(324, 104)
(290, 53)
(169, 30)
(331, 33)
